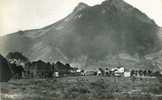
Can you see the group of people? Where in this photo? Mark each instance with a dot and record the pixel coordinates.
(145, 73)
(120, 71)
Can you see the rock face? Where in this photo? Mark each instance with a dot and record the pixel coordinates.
(92, 33)
(5, 72)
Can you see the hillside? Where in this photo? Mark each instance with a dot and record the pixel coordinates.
(89, 33)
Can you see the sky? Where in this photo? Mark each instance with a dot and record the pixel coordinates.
(18, 15)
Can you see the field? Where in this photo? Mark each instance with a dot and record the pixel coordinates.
(83, 88)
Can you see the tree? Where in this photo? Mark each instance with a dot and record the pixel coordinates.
(17, 56)
(5, 72)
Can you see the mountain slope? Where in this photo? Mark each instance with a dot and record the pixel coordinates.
(96, 32)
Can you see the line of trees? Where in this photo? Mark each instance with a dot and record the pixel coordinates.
(18, 66)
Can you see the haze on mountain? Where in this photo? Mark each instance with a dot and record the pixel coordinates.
(89, 33)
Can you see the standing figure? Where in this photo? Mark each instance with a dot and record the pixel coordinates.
(107, 72)
(100, 72)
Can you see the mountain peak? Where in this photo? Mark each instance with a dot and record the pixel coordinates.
(113, 1)
(120, 4)
(117, 4)
(123, 7)
(95, 33)
(81, 6)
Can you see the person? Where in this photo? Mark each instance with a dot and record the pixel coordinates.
(132, 72)
(107, 72)
(144, 72)
(100, 72)
(149, 73)
(56, 74)
(82, 72)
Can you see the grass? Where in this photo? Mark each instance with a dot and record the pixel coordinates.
(82, 88)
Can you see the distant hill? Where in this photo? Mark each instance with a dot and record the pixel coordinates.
(89, 33)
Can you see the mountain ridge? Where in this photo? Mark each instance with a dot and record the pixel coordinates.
(89, 33)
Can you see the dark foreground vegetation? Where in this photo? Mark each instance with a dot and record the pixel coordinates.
(25, 80)
(83, 88)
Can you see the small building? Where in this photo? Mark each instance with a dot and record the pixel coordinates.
(40, 69)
